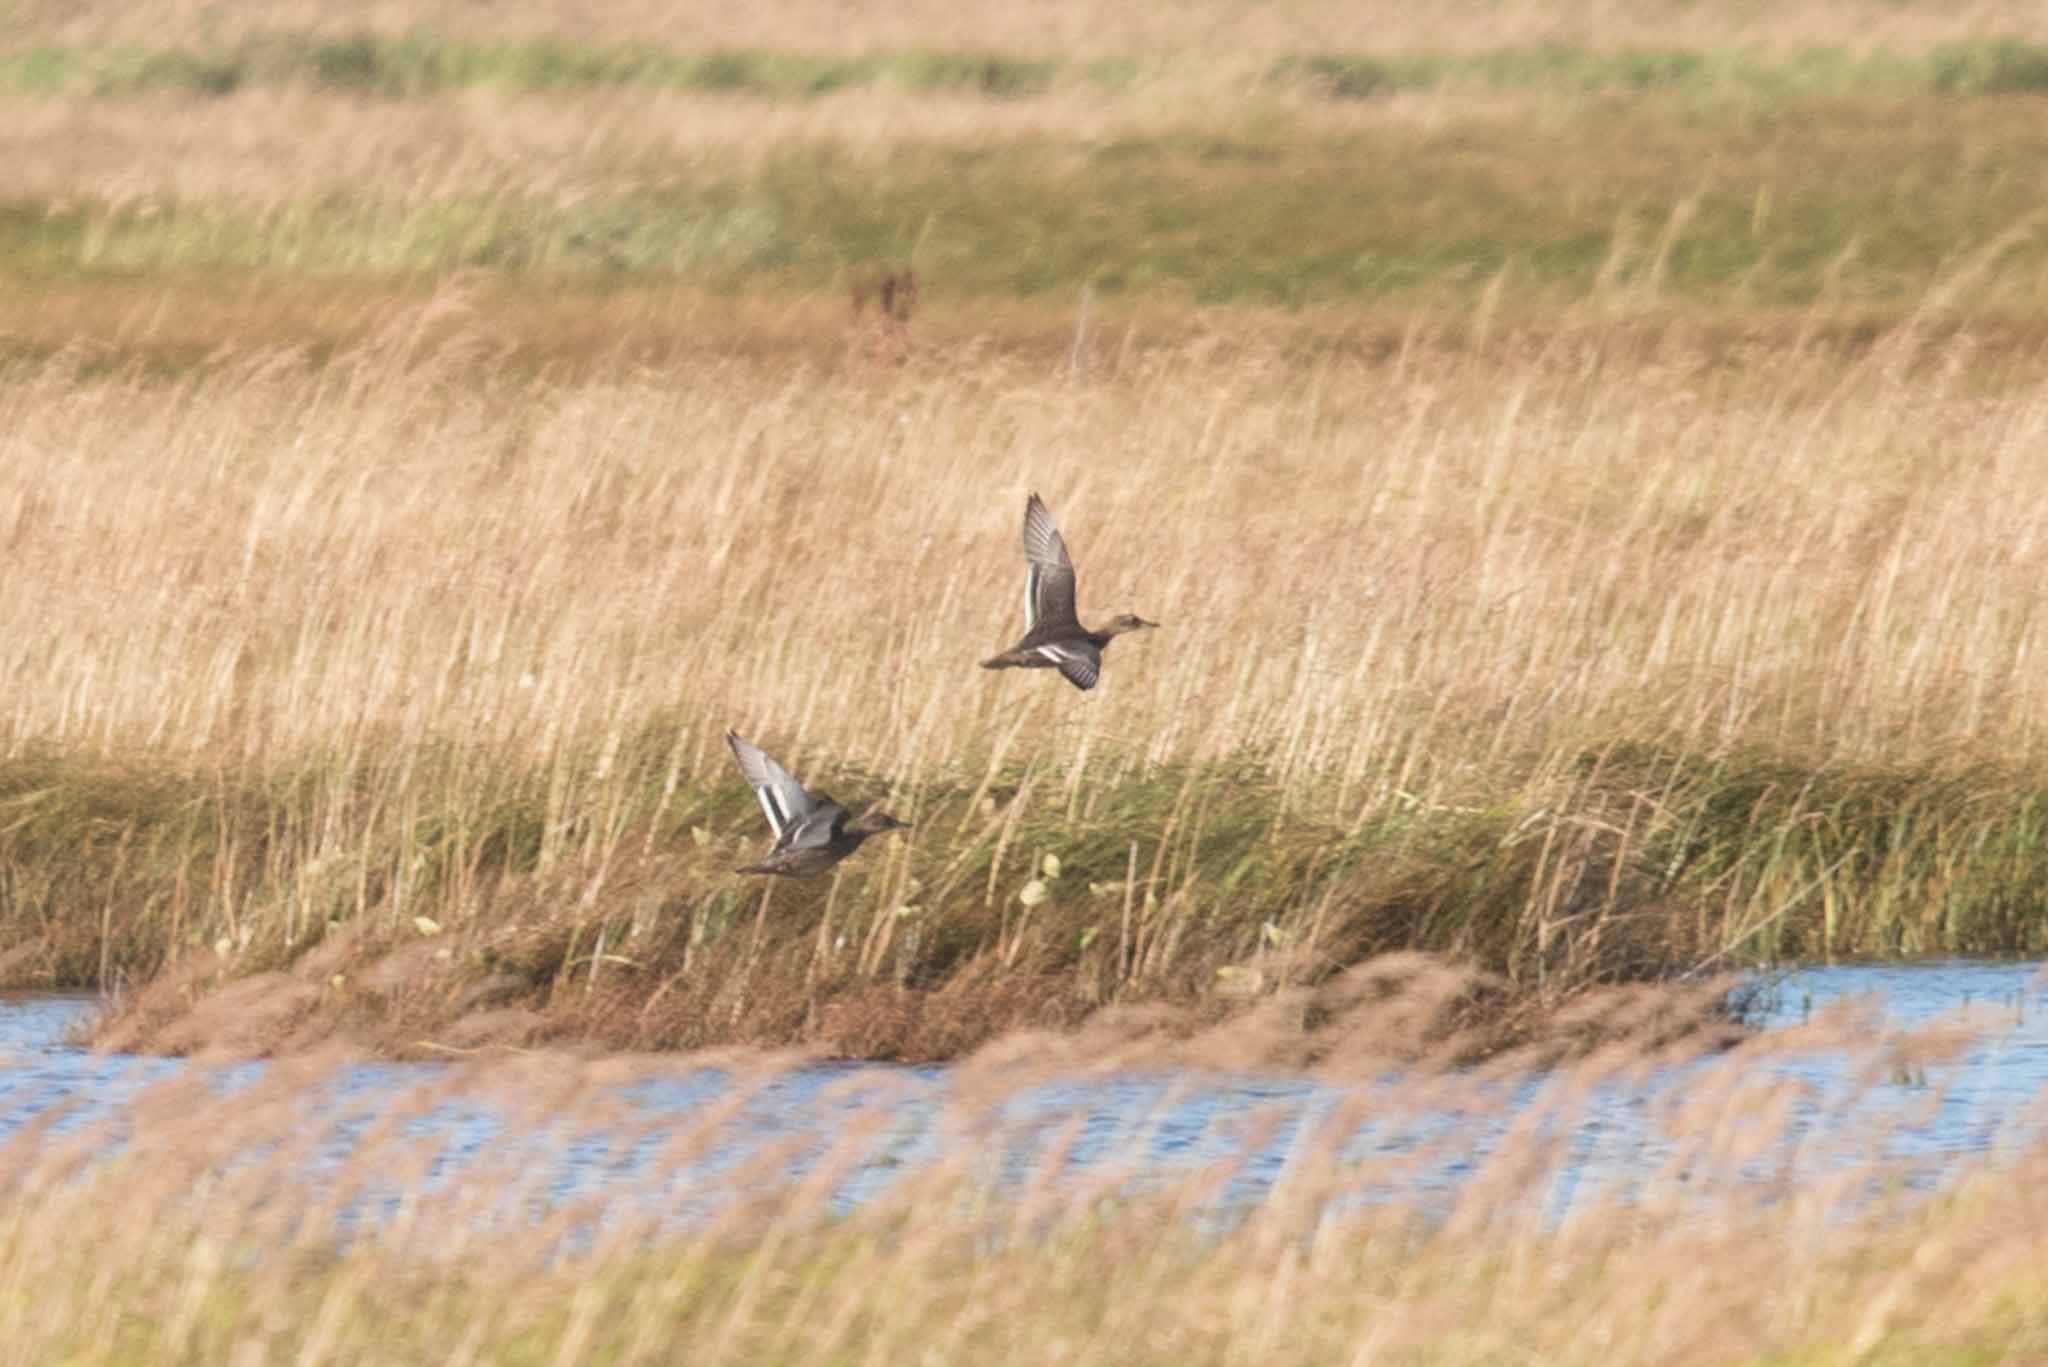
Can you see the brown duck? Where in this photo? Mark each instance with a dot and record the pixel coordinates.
(1053, 635)
(811, 830)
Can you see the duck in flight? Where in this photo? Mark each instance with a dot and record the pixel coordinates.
(1053, 636)
(811, 830)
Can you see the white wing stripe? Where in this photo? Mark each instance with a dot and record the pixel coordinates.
(777, 818)
(1031, 578)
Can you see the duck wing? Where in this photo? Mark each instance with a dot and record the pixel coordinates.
(782, 798)
(1078, 661)
(1049, 573)
(816, 828)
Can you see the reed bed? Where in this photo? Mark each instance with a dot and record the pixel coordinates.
(1583, 457)
(274, 555)
(1752, 1208)
(420, 438)
(392, 687)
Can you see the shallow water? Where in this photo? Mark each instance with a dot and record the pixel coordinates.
(1412, 1142)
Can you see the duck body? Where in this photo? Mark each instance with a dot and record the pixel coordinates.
(812, 832)
(1054, 637)
(1077, 655)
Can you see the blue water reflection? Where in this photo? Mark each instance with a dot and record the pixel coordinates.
(1412, 1142)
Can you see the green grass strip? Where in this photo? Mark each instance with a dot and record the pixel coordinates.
(1845, 204)
(421, 62)
(1632, 863)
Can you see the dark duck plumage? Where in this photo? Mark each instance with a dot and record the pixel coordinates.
(1053, 635)
(811, 830)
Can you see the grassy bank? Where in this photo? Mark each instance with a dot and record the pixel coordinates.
(498, 907)
(388, 692)
(1776, 1231)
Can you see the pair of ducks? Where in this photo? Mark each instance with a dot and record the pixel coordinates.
(812, 832)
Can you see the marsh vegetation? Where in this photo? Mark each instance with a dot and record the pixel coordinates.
(1585, 458)
(1587, 482)
(1562, 662)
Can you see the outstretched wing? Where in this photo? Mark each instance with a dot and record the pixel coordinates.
(1079, 661)
(783, 799)
(1049, 574)
(814, 828)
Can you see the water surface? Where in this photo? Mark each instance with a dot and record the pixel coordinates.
(1410, 1143)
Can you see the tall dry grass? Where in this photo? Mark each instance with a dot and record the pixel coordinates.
(1756, 1210)
(1378, 576)
(1578, 661)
